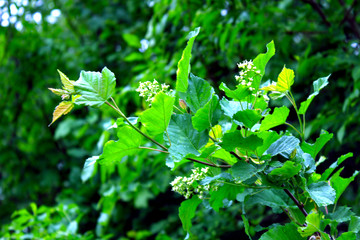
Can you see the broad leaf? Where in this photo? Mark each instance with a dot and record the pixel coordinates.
(354, 225)
(238, 94)
(277, 118)
(286, 232)
(198, 93)
(95, 88)
(313, 225)
(263, 58)
(230, 108)
(314, 149)
(318, 85)
(226, 191)
(285, 80)
(208, 115)
(242, 170)
(156, 119)
(62, 109)
(268, 137)
(128, 144)
(89, 168)
(68, 84)
(183, 70)
(333, 166)
(224, 155)
(272, 198)
(284, 146)
(187, 212)
(248, 117)
(184, 138)
(234, 140)
(322, 193)
(288, 170)
(340, 184)
(347, 236)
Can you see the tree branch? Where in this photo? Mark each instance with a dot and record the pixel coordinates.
(318, 9)
(299, 205)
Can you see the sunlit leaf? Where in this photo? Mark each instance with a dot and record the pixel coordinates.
(62, 109)
(277, 118)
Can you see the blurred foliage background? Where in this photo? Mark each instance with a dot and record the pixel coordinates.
(140, 41)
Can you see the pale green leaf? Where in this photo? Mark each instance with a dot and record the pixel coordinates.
(284, 146)
(313, 225)
(347, 236)
(95, 88)
(89, 168)
(67, 83)
(199, 92)
(183, 70)
(318, 85)
(62, 109)
(208, 115)
(156, 119)
(224, 155)
(285, 80)
(277, 118)
(354, 225)
(230, 108)
(322, 193)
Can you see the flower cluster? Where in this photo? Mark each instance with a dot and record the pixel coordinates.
(188, 186)
(148, 90)
(247, 74)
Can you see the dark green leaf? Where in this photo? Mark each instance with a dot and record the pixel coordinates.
(277, 118)
(246, 225)
(207, 116)
(340, 184)
(272, 198)
(243, 170)
(187, 211)
(248, 117)
(314, 149)
(235, 139)
(333, 166)
(198, 93)
(156, 119)
(95, 88)
(286, 232)
(184, 138)
(183, 70)
(322, 193)
(284, 146)
(226, 191)
(268, 137)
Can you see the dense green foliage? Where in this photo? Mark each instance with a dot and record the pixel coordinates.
(36, 167)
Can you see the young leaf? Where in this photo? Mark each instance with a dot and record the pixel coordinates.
(238, 94)
(128, 144)
(318, 85)
(322, 193)
(183, 70)
(286, 232)
(198, 93)
(314, 149)
(226, 191)
(187, 212)
(285, 80)
(277, 118)
(184, 138)
(156, 119)
(95, 88)
(248, 117)
(288, 170)
(313, 225)
(208, 115)
(234, 140)
(68, 84)
(62, 109)
(340, 184)
(284, 146)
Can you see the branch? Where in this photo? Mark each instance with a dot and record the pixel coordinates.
(350, 18)
(318, 9)
(209, 164)
(299, 205)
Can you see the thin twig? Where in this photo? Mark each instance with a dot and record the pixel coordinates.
(300, 206)
(209, 164)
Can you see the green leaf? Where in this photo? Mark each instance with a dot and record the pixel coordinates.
(238, 94)
(246, 225)
(95, 88)
(67, 83)
(89, 168)
(198, 93)
(288, 170)
(224, 155)
(340, 184)
(156, 119)
(226, 191)
(347, 236)
(248, 117)
(314, 149)
(187, 211)
(183, 70)
(184, 138)
(284, 146)
(285, 80)
(230, 108)
(268, 137)
(128, 144)
(354, 225)
(277, 118)
(62, 109)
(318, 85)
(313, 225)
(132, 40)
(272, 198)
(243, 170)
(333, 166)
(342, 214)
(263, 58)
(286, 232)
(322, 193)
(235, 139)
(208, 115)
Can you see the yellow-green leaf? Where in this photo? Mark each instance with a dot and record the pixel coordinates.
(285, 80)
(58, 92)
(68, 84)
(62, 109)
(269, 88)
